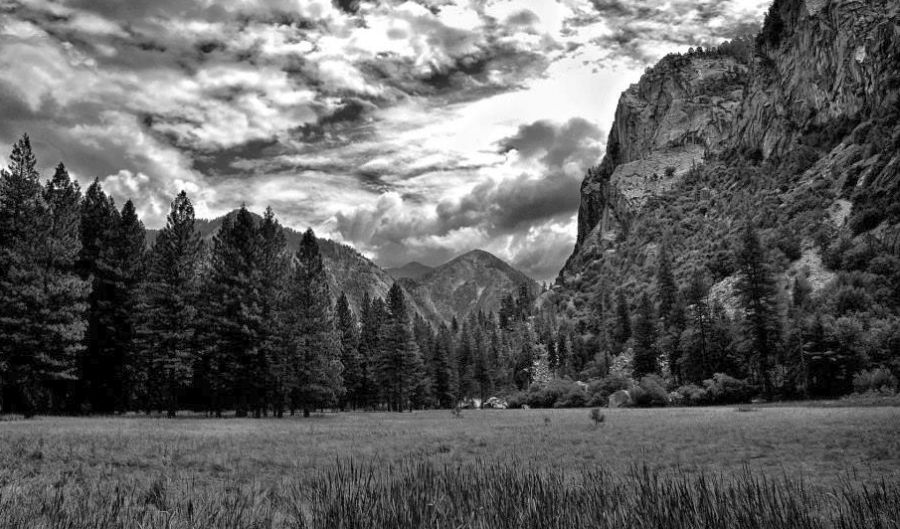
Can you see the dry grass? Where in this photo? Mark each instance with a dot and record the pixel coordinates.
(67, 472)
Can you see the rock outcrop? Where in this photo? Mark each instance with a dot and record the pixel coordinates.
(802, 123)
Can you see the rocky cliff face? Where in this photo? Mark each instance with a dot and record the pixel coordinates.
(681, 108)
(799, 128)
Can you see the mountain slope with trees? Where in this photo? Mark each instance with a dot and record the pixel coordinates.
(750, 191)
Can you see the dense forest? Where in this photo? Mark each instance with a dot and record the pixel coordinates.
(92, 320)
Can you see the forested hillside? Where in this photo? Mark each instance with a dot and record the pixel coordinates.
(746, 217)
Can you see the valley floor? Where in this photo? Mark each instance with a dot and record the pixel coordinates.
(69, 465)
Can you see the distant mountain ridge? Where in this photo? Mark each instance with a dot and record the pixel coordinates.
(475, 281)
(412, 270)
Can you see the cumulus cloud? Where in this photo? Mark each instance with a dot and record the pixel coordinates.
(413, 129)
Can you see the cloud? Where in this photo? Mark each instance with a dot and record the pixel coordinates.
(412, 129)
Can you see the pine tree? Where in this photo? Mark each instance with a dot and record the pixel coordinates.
(695, 340)
(41, 300)
(167, 333)
(66, 292)
(400, 366)
(102, 362)
(313, 341)
(234, 364)
(622, 330)
(127, 254)
(374, 316)
(667, 291)
(645, 354)
(444, 374)
(757, 291)
(274, 266)
(348, 332)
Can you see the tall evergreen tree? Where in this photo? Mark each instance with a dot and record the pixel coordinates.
(234, 363)
(622, 329)
(667, 290)
(310, 326)
(444, 374)
(348, 333)
(274, 265)
(41, 300)
(168, 329)
(757, 290)
(103, 360)
(695, 340)
(66, 292)
(127, 256)
(400, 366)
(645, 354)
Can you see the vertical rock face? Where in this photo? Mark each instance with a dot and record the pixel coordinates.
(839, 59)
(813, 102)
(681, 108)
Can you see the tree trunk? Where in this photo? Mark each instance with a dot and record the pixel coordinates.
(306, 412)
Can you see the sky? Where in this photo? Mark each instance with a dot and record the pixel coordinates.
(414, 130)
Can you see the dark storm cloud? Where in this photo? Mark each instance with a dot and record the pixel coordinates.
(555, 144)
(512, 204)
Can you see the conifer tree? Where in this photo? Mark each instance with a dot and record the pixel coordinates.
(126, 255)
(400, 366)
(234, 363)
(41, 300)
(444, 374)
(274, 266)
(667, 290)
(312, 337)
(66, 292)
(348, 333)
(103, 359)
(167, 333)
(645, 354)
(695, 340)
(757, 291)
(622, 330)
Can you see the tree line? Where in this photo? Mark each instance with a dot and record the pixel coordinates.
(95, 320)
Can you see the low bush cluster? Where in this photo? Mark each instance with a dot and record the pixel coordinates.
(878, 380)
(720, 389)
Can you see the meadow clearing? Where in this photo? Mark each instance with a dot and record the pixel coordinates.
(687, 467)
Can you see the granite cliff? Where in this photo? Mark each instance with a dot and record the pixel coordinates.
(796, 131)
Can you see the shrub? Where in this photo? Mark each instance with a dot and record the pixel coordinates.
(866, 220)
(670, 171)
(576, 397)
(598, 391)
(651, 392)
(690, 395)
(517, 399)
(723, 389)
(878, 379)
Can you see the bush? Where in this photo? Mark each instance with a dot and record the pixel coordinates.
(517, 399)
(878, 379)
(723, 389)
(598, 391)
(651, 392)
(574, 398)
(689, 395)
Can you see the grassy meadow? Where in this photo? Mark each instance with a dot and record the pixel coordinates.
(689, 467)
